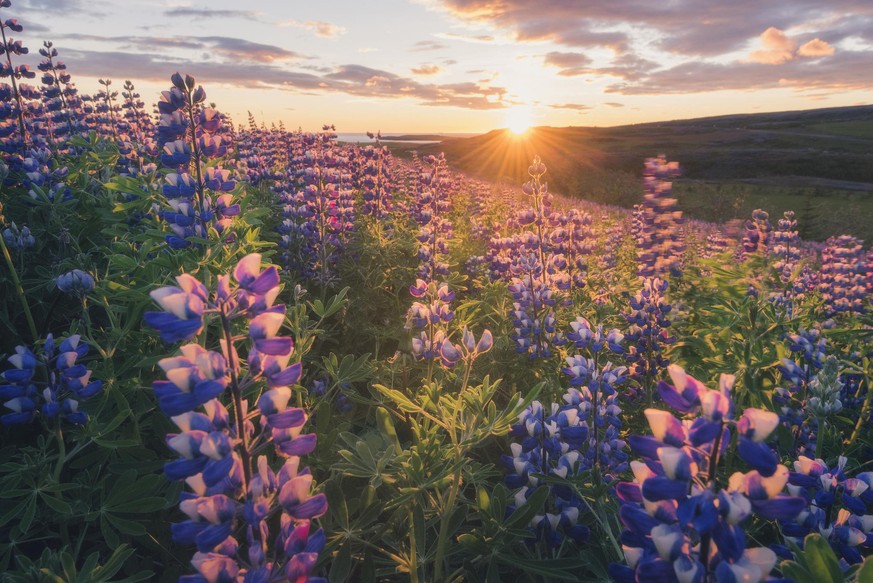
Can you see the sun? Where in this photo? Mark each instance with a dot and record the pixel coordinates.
(518, 120)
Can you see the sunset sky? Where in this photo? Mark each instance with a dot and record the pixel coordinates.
(470, 65)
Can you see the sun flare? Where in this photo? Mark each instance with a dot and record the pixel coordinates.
(518, 120)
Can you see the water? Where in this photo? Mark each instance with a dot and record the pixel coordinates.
(363, 139)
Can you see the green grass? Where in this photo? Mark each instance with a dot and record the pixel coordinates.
(820, 212)
(853, 129)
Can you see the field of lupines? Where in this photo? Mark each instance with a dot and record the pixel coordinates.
(240, 353)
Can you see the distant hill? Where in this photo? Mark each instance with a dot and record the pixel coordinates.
(731, 164)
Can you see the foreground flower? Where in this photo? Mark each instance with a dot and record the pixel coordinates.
(233, 489)
(682, 522)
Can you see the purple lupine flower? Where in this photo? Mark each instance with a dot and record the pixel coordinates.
(647, 332)
(75, 283)
(679, 523)
(838, 507)
(659, 241)
(233, 491)
(49, 383)
(842, 282)
(757, 236)
(18, 239)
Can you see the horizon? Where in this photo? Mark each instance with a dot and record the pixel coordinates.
(469, 66)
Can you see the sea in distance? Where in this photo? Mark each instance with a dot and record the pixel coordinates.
(407, 138)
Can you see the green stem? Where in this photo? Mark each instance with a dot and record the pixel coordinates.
(62, 453)
(447, 514)
(865, 412)
(20, 289)
(236, 393)
(413, 552)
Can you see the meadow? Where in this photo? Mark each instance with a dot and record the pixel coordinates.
(238, 353)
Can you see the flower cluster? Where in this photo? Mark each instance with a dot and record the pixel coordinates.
(837, 506)
(659, 240)
(75, 283)
(18, 239)
(222, 454)
(785, 253)
(376, 179)
(16, 97)
(808, 348)
(189, 135)
(757, 235)
(429, 318)
(60, 98)
(572, 437)
(647, 333)
(50, 382)
(681, 523)
(432, 206)
(318, 207)
(842, 283)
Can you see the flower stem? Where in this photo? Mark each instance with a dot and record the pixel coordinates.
(20, 289)
(236, 393)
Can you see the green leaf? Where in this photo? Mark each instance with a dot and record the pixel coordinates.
(525, 513)
(56, 504)
(821, 560)
(865, 574)
(549, 569)
(126, 526)
(341, 566)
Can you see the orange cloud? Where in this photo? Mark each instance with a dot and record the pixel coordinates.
(816, 48)
(778, 48)
(426, 70)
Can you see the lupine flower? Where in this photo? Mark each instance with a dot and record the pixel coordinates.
(838, 507)
(658, 237)
(680, 525)
(75, 283)
(647, 333)
(431, 317)
(842, 276)
(18, 239)
(757, 236)
(233, 491)
(809, 348)
(49, 383)
(186, 148)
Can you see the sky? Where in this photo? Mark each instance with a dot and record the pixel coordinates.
(469, 65)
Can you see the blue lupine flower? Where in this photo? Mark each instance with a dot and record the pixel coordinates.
(647, 332)
(680, 525)
(838, 507)
(659, 241)
(232, 490)
(76, 283)
(59, 386)
(18, 239)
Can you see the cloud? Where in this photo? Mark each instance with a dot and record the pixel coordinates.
(575, 106)
(426, 70)
(844, 71)
(427, 45)
(778, 48)
(566, 60)
(815, 48)
(681, 27)
(230, 48)
(570, 64)
(319, 28)
(354, 80)
(479, 38)
(184, 12)
(614, 104)
(367, 50)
